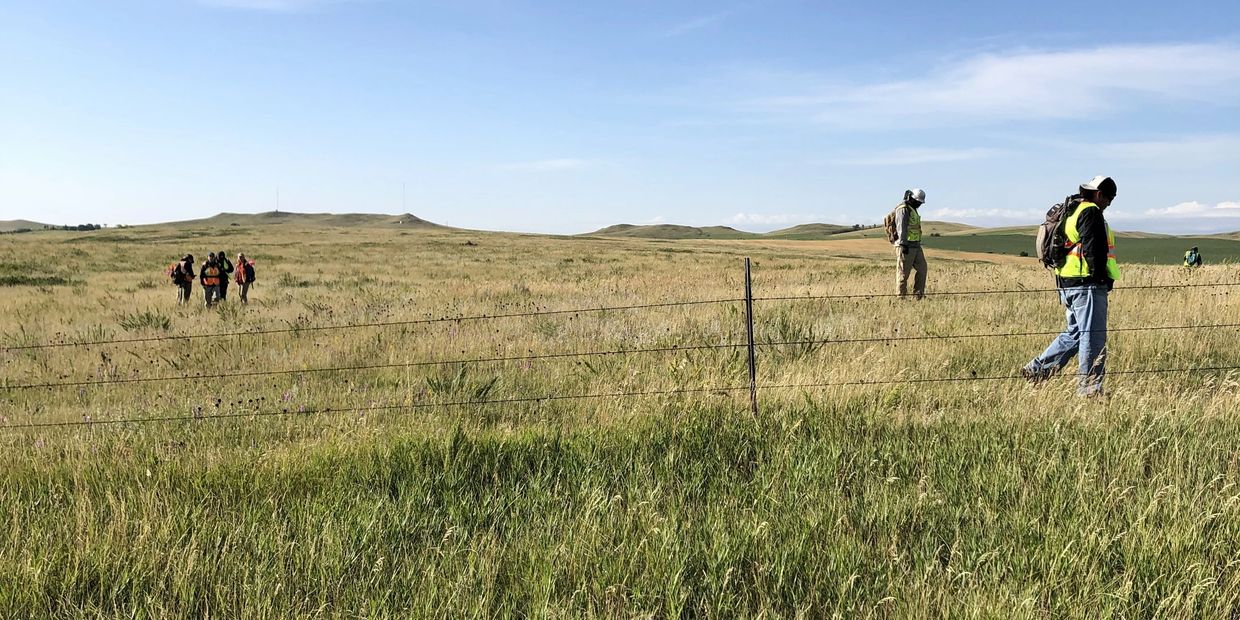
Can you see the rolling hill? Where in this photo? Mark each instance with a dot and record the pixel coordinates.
(928, 227)
(343, 220)
(809, 231)
(12, 225)
(672, 231)
(1134, 247)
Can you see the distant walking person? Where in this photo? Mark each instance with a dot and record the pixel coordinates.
(183, 277)
(904, 232)
(245, 277)
(1084, 280)
(210, 278)
(226, 267)
(1192, 258)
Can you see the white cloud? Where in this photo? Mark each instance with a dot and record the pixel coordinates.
(547, 165)
(909, 156)
(1230, 209)
(658, 219)
(1023, 215)
(1023, 85)
(770, 219)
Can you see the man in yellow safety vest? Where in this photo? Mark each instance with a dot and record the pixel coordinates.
(909, 256)
(1084, 280)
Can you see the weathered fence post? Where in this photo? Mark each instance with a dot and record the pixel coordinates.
(753, 368)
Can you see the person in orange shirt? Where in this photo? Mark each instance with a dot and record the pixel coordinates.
(209, 276)
(244, 277)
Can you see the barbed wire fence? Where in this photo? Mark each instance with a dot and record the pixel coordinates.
(751, 346)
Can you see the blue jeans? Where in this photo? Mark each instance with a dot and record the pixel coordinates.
(1086, 333)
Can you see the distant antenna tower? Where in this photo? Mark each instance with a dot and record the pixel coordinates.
(277, 199)
(403, 208)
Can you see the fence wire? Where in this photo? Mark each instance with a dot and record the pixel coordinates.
(720, 390)
(580, 354)
(577, 355)
(987, 292)
(538, 313)
(403, 323)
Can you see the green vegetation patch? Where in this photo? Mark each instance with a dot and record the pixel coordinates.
(1146, 250)
(29, 273)
(11, 280)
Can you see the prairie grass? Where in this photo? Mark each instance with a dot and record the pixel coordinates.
(986, 498)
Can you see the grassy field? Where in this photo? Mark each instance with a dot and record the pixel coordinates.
(986, 498)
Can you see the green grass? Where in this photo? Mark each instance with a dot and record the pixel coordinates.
(837, 509)
(28, 280)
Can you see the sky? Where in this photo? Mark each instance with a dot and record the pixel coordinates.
(568, 116)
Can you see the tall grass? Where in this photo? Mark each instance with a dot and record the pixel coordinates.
(983, 498)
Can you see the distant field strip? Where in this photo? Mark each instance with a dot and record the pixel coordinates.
(1149, 250)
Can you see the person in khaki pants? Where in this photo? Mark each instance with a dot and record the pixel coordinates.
(909, 256)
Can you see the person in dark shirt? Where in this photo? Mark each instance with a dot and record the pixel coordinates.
(1084, 281)
(226, 267)
(184, 278)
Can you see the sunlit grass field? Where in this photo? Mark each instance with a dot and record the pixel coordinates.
(896, 498)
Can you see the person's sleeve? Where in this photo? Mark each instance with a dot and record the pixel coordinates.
(902, 226)
(1093, 229)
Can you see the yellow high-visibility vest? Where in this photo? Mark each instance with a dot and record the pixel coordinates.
(1075, 266)
(914, 223)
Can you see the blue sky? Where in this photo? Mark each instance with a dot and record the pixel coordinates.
(564, 117)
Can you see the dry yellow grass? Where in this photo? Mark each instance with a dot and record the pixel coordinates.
(903, 499)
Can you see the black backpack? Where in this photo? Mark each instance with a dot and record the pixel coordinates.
(1052, 242)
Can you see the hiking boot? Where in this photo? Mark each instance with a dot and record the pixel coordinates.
(1091, 391)
(1034, 377)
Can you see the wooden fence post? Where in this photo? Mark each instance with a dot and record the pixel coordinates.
(753, 367)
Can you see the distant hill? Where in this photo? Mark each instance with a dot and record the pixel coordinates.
(809, 231)
(928, 227)
(346, 220)
(12, 225)
(673, 231)
(803, 232)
